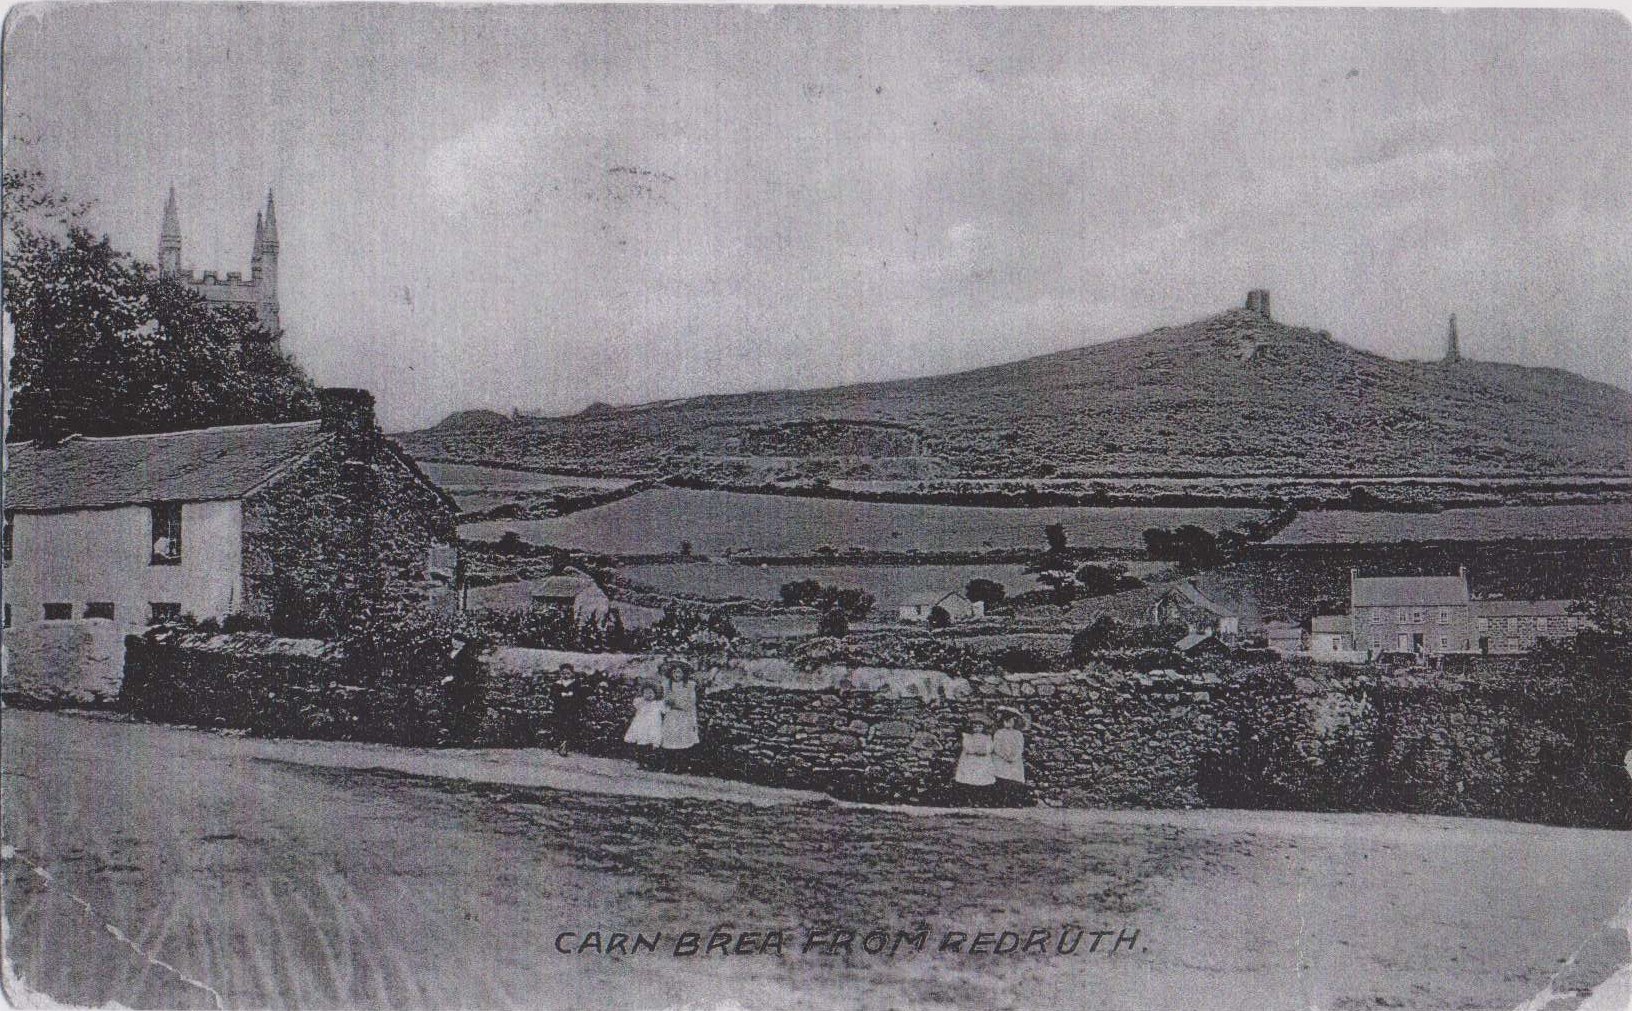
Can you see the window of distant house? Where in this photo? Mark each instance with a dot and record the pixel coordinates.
(160, 612)
(166, 533)
(58, 612)
(99, 609)
(5, 538)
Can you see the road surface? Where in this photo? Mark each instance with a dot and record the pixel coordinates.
(165, 867)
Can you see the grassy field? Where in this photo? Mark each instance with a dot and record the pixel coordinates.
(464, 478)
(718, 522)
(1549, 522)
(159, 867)
(887, 583)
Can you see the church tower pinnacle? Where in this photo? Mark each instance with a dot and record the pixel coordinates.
(258, 292)
(170, 238)
(1453, 354)
(267, 265)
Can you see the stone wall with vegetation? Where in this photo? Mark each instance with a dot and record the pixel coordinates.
(1518, 738)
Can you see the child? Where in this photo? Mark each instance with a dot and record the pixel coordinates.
(973, 778)
(645, 731)
(1009, 760)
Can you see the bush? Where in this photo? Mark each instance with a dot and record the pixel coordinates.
(809, 593)
(1099, 580)
(986, 591)
(833, 623)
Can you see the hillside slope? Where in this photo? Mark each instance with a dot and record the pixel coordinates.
(1233, 394)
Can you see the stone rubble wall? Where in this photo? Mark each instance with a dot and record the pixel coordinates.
(1471, 739)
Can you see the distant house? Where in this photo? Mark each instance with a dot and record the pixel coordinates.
(1197, 612)
(919, 606)
(572, 593)
(1516, 626)
(1330, 638)
(1284, 638)
(282, 521)
(1411, 614)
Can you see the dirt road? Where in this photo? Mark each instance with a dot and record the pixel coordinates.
(155, 866)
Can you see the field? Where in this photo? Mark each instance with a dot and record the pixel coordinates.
(1494, 523)
(465, 478)
(253, 873)
(717, 523)
(887, 583)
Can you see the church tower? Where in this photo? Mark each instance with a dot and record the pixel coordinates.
(170, 238)
(258, 293)
(1453, 354)
(265, 266)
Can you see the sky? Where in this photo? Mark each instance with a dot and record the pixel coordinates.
(543, 207)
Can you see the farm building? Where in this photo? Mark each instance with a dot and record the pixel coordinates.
(1411, 614)
(573, 594)
(292, 522)
(919, 606)
(1284, 638)
(1330, 638)
(1188, 606)
(1515, 626)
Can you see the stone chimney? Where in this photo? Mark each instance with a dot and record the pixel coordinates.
(1258, 302)
(349, 414)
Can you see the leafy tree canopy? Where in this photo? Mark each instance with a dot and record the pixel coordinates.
(104, 346)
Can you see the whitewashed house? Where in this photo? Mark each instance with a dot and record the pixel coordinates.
(106, 536)
(572, 593)
(919, 606)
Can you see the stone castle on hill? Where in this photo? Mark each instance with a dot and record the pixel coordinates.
(258, 293)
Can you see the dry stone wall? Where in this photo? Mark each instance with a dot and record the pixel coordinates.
(1483, 736)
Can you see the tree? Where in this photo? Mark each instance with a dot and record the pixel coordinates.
(1098, 580)
(1189, 546)
(986, 591)
(105, 346)
(939, 617)
(1055, 532)
(833, 623)
(1104, 633)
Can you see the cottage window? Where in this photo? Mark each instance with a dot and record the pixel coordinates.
(1416, 617)
(8, 615)
(1444, 616)
(166, 533)
(99, 609)
(1376, 617)
(5, 538)
(1444, 642)
(163, 611)
(58, 612)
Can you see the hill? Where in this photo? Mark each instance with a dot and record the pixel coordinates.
(1234, 394)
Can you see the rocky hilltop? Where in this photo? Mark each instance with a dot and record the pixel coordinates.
(1231, 395)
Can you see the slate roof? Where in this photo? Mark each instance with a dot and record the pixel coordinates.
(1522, 608)
(1408, 591)
(1190, 592)
(1329, 623)
(1191, 641)
(200, 465)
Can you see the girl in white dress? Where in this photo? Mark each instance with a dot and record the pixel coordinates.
(1009, 759)
(679, 719)
(646, 729)
(974, 776)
